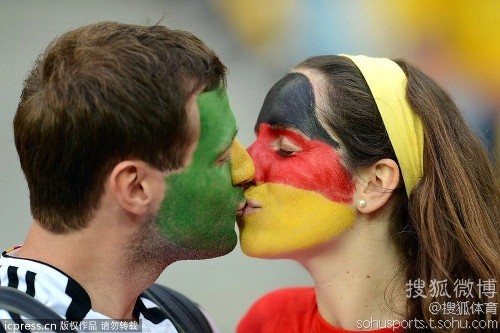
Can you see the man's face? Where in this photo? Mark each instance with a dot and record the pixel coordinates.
(304, 190)
(199, 209)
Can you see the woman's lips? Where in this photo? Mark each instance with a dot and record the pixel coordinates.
(247, 207)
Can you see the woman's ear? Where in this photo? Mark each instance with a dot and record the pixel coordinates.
(378, 183)
(133, 185)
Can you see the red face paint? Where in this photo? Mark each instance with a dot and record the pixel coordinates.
(315, 166)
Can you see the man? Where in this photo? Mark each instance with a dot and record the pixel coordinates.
(127, 142)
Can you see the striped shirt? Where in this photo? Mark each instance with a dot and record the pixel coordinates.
(65, 296)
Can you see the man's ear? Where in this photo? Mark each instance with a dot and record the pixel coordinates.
(133, 186)
(378, 183)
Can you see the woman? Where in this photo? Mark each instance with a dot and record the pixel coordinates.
(367, 175)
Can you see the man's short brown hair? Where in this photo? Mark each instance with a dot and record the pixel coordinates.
(100, 94)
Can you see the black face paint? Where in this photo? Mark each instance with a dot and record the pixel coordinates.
(291, 103)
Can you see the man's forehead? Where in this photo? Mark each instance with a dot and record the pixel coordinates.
(215, 103)
(216, 117)
(291, 103)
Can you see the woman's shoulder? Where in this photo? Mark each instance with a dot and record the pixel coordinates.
(289, 295)
(287, 307)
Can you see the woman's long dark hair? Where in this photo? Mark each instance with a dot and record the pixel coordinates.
(448, 229)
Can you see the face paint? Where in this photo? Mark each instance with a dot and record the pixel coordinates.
(199, 208)
(291, 103)
(314, 167)
(304, 190)
(290, 219)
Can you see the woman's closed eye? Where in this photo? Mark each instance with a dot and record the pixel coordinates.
(286, 147)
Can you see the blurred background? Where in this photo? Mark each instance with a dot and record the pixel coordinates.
(455, 42)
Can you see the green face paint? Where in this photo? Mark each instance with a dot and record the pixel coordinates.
(199, 208)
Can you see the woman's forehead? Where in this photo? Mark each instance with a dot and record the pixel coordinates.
(291, 102)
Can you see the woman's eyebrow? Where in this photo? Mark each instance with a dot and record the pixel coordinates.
(280, 126)
(292, 129)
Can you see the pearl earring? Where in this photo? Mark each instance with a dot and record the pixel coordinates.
(362, 203)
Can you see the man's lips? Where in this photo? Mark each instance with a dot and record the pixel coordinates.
(246, 207)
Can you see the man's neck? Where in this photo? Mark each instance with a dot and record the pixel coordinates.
(97, 263)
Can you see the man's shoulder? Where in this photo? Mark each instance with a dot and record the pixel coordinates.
(179, 308)
(46, 284)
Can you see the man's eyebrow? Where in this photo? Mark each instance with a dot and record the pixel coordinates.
(226, 147)
(234, 135)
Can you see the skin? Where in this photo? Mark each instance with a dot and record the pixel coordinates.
(199, 208)
(305, 193)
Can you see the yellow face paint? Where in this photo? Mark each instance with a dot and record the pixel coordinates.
(291, 219)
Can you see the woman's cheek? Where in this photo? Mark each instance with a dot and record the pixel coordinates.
(262, 155)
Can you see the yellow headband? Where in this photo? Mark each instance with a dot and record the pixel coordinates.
(387, 83)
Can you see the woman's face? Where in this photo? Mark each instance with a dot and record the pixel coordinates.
(304, 192)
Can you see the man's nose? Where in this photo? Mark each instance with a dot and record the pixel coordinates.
(242, 167)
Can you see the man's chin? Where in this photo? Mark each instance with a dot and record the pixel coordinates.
(190, 254)
(208, 251)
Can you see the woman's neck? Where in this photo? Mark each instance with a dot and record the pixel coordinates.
(353, 274)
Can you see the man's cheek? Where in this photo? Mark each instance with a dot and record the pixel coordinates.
(217, 181)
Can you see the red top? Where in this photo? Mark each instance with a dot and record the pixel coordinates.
(292, 310)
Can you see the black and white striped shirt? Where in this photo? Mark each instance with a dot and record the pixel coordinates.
(64, 295)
